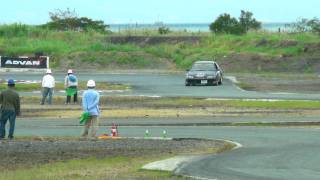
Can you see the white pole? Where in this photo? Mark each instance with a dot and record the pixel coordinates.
(47, 62)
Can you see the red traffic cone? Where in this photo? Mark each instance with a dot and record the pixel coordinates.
(114, 130)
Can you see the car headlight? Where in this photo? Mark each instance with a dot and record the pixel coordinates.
(210, 77)
(188, 76)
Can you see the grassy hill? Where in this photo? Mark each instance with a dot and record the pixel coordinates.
(255, 51)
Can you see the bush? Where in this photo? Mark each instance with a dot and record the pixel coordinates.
(230, 25)
(13, 30)
(305, 25)
(163, 30)
(67, 20)
(226, 24)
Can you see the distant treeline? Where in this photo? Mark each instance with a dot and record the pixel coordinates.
(68, 20)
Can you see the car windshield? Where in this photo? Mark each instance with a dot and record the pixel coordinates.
(204, 67)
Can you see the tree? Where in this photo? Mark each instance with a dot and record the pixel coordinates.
(248, 22)
(226, 24)
(314, 24)
(68, 20)
(301, 25)
(305, 25)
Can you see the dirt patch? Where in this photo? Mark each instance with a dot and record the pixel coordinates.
(24, 153)
(296, 56)
(112, 60)
(273, 83)
(249, 62)
(311, 47)
(153, 40)
(288, 43)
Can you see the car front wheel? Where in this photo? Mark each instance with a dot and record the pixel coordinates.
(220, 81)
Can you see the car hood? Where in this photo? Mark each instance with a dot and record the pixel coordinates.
(207, 73)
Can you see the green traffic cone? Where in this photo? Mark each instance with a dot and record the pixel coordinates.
(147, 133)
(164, 134)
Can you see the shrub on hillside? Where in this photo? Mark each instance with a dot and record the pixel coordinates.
(13, 30)
(247, 21)
(163, 30)
(69, 21)
(305, 25)
(226, 24)
(230, 25)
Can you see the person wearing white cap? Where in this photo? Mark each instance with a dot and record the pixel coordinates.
(90, 104)
(48, 83)
(71, 84)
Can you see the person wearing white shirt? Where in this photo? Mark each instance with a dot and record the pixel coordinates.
(48, 84)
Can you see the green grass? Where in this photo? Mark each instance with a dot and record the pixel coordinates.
(185, 102)
(60, 86)
(110, 168)
(191, 102)
(20, 39)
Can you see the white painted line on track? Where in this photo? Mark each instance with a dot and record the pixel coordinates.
(200, 178)
(264, 100)
(176, 163)
(238, 145)
(232, 79)
(151, 96)
(170, 164)
(283, 93)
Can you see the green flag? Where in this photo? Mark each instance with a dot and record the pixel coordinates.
(84, 117)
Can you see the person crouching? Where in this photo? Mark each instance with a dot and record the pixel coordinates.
(90, 104)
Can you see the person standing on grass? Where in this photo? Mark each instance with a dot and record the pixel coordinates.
(10, 109)
(71, 84)
(48, 84)
(90, 104)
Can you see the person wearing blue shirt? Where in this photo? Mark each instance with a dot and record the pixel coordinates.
(71, 84)
(90, 104)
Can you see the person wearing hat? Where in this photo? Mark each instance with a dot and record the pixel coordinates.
(90, 104)
(48, 84)
(10, 109)
(71, 84)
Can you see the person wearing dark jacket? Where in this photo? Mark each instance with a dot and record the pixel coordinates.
(10, 108)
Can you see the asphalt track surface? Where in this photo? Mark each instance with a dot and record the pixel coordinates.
(163, 85)
(267, 152)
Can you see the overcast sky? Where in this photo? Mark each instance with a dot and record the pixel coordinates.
(150, 11)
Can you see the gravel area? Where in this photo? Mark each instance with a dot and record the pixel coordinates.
(281, 83)
(28, 153)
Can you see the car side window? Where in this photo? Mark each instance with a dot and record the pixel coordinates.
(216, 66)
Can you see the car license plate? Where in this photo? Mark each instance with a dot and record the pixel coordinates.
(204, 81)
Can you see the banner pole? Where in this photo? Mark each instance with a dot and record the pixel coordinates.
(48, 62)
